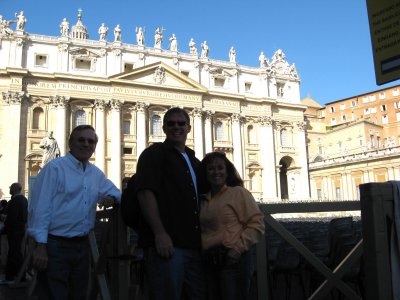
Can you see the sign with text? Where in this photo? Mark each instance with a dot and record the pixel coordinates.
(384, 25)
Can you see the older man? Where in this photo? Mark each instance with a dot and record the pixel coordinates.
(61, 214)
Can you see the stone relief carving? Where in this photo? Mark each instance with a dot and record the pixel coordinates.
(116, 104)
(236, 118)
(159, 75)
(117, 52)
(141, 106)
(62, 47)
(14, 97)
(100, 104)
(197, 112)
(59, 101)
(265, 121)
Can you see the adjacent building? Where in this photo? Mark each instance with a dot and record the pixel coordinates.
(54, 83)
(353, 141)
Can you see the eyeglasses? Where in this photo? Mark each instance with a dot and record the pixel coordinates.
(172, 123)
(89, 141)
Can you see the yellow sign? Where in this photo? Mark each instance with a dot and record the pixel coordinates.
(384, 25)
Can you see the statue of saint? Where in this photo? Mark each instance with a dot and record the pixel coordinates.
(263, 60)
(158, 38)
(232, 55)
(5, 25)
(21, 20)
(64, 27)
(117, 34)
(103, 32)
(204, 50)
(140, 36)
(173, 46)
(50, 148)
(192, 47)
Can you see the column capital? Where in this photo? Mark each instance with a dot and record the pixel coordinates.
(301, 125)
(141, 106)
(116, 104)
(63, 47)
(59, 101)
(14, 97)
(197, 112)
(208, 114)
(265, 121)
(237, 118)
(100, 104)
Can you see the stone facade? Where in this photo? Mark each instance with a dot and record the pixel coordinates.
(353, 141)
(48, 83)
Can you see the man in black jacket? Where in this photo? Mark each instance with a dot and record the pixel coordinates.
(14, 226)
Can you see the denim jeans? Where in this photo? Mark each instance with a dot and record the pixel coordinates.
(176, 278)
(67, 273)
(231, 282)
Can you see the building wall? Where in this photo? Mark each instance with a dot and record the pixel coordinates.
(54, 83)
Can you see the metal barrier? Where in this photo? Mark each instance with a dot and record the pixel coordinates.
(333, 278)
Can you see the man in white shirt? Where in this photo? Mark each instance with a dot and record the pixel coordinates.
(62, 211)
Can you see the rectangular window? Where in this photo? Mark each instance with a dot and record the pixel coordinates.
(219, 82)
(382, 95)
(83, 64)
(128, 150)
(383, 107)
(333, 121)
(186, 73)
(397, 105)
(343, 106)
(319, 194)
(396, 92)
(372, 98)
(373, 110)
(344, 119)
(40, 60)
(128, 67)
(338, 194)
(331, 109)
(127, 127)
(354, 103)
(247, 86)
(366, 111)
(365, 100)
(385, 119)
(398, 116)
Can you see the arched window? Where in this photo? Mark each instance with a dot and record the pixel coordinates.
(284, 138)
(80, 118)
(156, 125)
(38, 118)
(251, 135)
(219, 131)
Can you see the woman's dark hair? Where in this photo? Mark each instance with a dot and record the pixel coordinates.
(233, 177)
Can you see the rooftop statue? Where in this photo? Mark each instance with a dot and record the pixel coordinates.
(140, 36)
(103, 32)
(192, 47)
(232, 55)
(117, 34)
(64, 27)
(204, 49)
(263, 60)
(5, 26)
(158, 37)
(50, 148)
(21, 20)
(173, 46)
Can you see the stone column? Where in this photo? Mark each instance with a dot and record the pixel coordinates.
(10, 156)
(115, 174)
(59, 104)
(391, 173)
(208, 134)
(198, 132)
(141, 138)
(17, 52)
(346, 194)
(100, 126)
(237, 143)
(117, 60)
(325, 188)
(331, 194)
(267, 158)
(301, 148)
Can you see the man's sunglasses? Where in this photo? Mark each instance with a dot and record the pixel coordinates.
(172, 123)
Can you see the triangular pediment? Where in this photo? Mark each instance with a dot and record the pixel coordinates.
(158, 74)
(84, 53)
